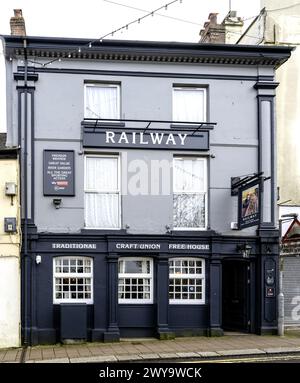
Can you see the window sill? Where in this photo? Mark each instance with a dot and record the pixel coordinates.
(135, 303)
(75, 302)
(196, 303)
(103, 231)
(195, 232)
(185, 126)
(102, 124)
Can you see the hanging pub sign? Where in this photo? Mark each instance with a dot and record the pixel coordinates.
(59, 173)
(248, 205)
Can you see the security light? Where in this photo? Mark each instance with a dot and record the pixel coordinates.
(57, 202)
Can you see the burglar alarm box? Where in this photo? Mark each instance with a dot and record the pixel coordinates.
(10, 225)
(10, 188)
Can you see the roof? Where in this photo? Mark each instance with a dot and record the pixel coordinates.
(130, 50)
(4, 151)
(293, 232)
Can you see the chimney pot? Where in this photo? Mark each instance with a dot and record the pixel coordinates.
(213, 17)
(18, 12)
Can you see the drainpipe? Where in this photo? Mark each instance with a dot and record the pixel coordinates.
(25, 202)
(280, 299)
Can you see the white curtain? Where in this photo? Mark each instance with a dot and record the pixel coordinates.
(102, 102)
(188, 175)
(101, 174)
(189, 105)
(102, 210)
(101, 193)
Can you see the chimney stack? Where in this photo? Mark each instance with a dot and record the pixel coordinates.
(17, 24)
(212, 32)
(228, 32)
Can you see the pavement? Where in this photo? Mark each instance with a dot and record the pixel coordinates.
(146, 350)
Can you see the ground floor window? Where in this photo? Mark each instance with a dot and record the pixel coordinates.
(73, 280)
(186, 281)
(135, 280)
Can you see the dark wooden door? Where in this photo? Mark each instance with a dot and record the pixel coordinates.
(235, 295)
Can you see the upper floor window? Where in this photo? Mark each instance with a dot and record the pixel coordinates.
(102, 193)
(102, 101)
(189, 193)
(189, 104)
(135, 280)
(73, 278)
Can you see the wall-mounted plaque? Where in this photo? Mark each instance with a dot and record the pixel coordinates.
(59, 177)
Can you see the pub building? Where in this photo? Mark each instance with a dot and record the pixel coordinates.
(148, 187)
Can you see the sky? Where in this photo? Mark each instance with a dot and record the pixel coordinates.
(181, 21)
(95, 18)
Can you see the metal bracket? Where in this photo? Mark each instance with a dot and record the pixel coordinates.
(238, 182)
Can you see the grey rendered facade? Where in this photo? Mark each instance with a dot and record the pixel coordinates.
(47, 102)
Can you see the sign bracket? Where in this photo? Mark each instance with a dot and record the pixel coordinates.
(241, 181)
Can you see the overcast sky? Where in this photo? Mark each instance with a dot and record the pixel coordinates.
(96, 18)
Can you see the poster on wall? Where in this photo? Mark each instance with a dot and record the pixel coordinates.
(58, 172)
(248, 205)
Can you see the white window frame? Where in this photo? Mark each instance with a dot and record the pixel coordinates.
(191, 88)
(103, 85)
(189, 276)
(118, 191)
(137, 276)
(73, 275)
(205, 192)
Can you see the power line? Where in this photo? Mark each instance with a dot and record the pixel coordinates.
(158, 14)
(241, 34)
(138, 20)
(126, 26)
(249, 18)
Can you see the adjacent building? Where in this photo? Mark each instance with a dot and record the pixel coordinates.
(10, 245)
(148, 187)
(279, 24)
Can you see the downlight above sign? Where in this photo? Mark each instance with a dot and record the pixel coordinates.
(133, 139)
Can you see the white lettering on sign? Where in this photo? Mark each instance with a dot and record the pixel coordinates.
(140, 138)
(74, 246)
(138, 246)
(110, 137)
(124, 138)
(156, 138)
(182, 138)
(188, 246)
